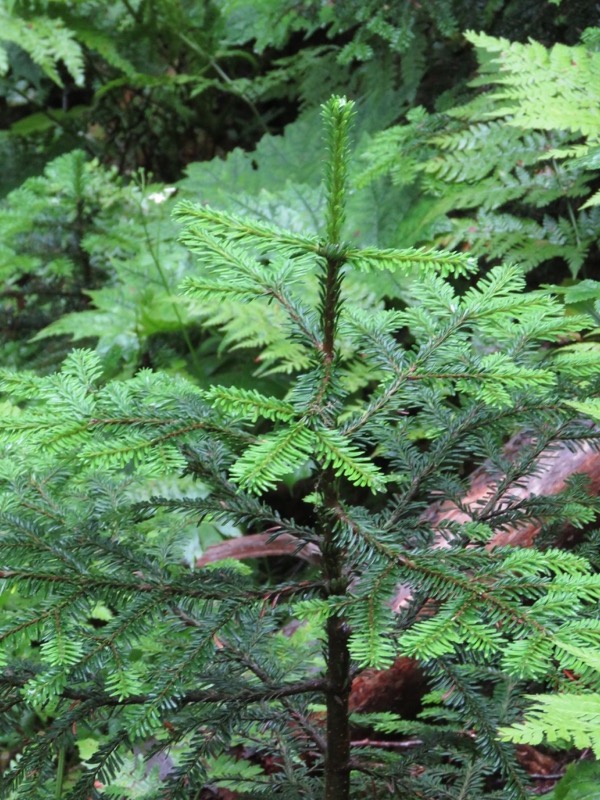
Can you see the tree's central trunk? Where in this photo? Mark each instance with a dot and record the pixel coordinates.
(337, 759)
(337, 763)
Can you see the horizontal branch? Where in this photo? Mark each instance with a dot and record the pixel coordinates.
(101, 699)
(385, 745)
(227, 592)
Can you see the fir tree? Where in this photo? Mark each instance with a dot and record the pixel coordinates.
(96, 506)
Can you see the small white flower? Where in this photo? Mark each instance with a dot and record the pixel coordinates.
(160, 197)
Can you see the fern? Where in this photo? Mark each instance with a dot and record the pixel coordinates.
(558, 82)
(48, 42)
(559, 719)
(78, 237)
(520, 155)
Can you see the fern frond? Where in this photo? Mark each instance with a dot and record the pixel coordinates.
(560, 72)
(559, 720)
(47, 41)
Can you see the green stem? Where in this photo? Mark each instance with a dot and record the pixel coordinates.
(60, 772)
(229, 82)
(571, 213)
(165, 283)
(132, 12)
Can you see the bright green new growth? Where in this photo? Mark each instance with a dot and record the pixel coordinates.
(96, 509)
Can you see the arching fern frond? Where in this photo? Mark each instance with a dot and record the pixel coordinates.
(47, 41)
(556, 719)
